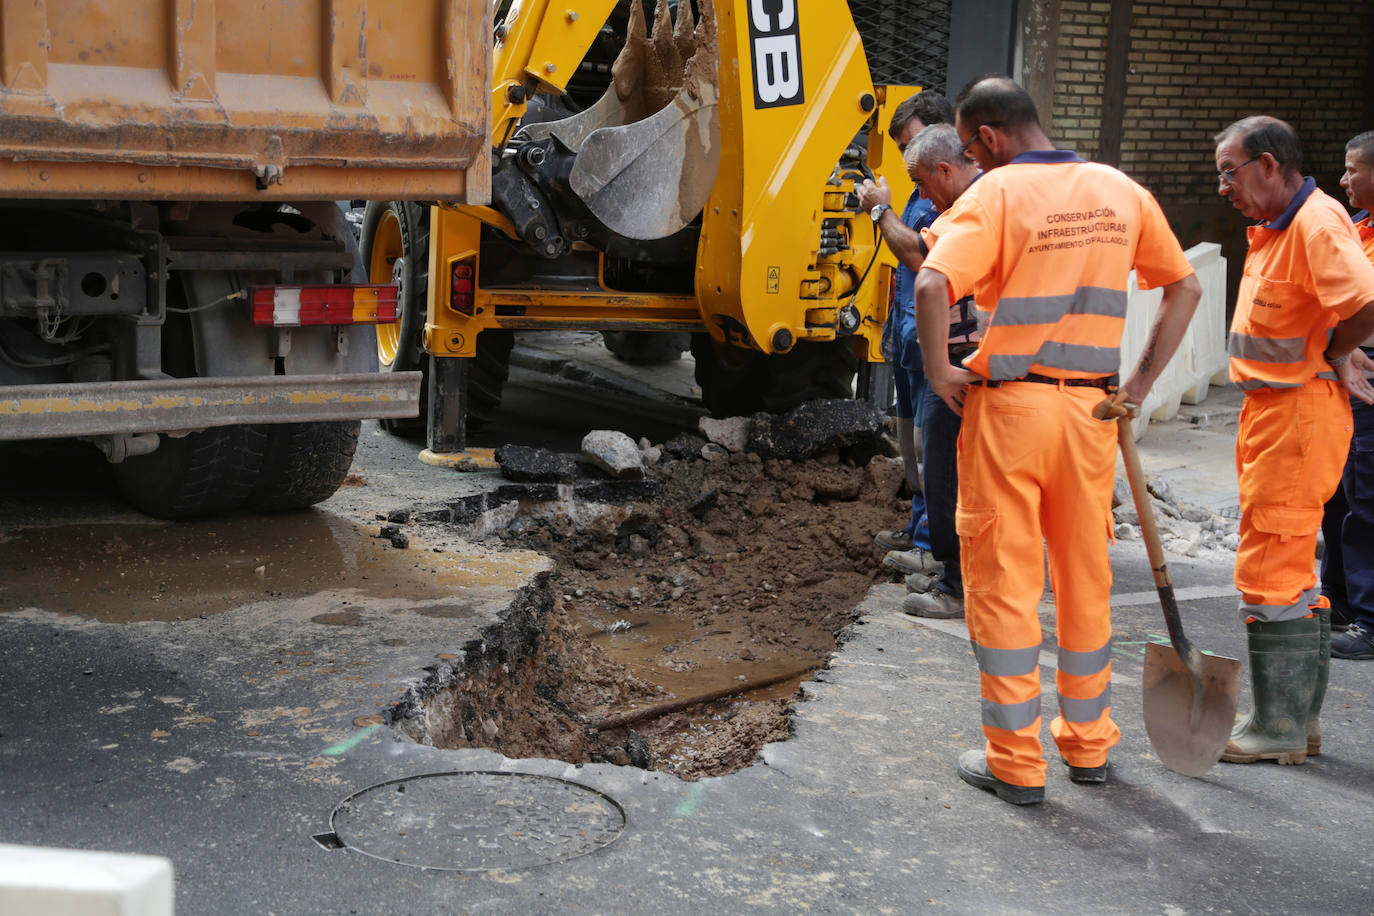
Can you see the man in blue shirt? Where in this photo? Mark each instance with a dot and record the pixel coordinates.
(909, 548)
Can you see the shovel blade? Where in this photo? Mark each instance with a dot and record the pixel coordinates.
(1188, 718)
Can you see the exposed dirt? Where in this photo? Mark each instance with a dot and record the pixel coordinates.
(742, 575)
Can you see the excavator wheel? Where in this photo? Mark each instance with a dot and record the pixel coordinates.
(646, 348)
(738, 382)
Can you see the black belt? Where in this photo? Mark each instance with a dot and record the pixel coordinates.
(1106, 383)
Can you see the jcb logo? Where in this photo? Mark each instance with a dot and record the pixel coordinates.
(776, 41)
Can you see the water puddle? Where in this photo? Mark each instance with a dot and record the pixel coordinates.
(132, 571)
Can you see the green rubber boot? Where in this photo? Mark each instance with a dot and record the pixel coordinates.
(1314, 725)
(1283, 679)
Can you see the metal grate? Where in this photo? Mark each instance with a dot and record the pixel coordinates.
(907, 41)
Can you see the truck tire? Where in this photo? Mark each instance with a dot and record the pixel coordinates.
(206, 473)
(304, 463)
(737, 382)
(647, 348)
(395, 248)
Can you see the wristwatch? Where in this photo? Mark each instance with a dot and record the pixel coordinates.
(878, 210)
(1338, 361)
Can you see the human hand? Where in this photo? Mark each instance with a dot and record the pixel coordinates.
(1352, 375)
(872, 193)
(951, 384)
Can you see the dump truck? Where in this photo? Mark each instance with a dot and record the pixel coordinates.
(178, 283)
(686, 171)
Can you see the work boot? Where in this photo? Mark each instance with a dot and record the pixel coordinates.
(1356, 642)
(912, 561)
(1314, 725)
(894, 540)
(973, 769)
(1283, 680)
(935, 604)
(1089, 775)
(921, 582)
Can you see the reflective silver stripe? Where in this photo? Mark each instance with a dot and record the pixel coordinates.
(1005, 367)
(1266, 349)
(1084, 664)
(1002, 366)
(1006, 662)
(1089, 710)
(1254, 383)
(1086, 300)
(1275, 613)
(1078, 358)
(1330, 376)
(1011, 716)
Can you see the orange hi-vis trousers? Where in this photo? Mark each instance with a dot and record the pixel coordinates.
(1290, 450)
(1035, 471)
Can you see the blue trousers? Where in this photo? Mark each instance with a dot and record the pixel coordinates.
(910, 385)
(940, 443)
(1348, 529)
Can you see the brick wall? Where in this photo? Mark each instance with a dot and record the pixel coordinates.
(1197, 65)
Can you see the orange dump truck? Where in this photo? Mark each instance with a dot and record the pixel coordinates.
(178, 285)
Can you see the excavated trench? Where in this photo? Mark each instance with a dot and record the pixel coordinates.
(675, 630)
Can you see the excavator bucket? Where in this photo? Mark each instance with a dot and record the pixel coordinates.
(648, 151)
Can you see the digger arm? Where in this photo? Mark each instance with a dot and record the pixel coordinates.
(538, 48)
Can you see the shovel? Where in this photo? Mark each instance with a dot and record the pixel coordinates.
(1188, 698)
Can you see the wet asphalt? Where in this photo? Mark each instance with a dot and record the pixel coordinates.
(227, 742)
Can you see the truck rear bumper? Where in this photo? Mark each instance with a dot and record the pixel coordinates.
(174, 405)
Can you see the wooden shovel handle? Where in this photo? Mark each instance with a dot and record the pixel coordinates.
(1149, 530)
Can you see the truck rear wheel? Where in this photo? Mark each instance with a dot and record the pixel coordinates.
(304, 463)
(206, 473)
(395, 247)
(738, 382)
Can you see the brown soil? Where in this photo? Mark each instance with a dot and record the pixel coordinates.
(655, 605)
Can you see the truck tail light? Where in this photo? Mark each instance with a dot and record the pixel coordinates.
(343, 303)
(461, 296)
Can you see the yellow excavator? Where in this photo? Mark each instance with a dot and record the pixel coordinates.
(708, 191)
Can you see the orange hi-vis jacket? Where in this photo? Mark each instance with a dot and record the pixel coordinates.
(1364, 227)
(1305, 272)
(1054, 284)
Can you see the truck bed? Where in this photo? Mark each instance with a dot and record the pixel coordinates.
(237, 99)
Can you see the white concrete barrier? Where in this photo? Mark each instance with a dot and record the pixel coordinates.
(1201, 358)
(71, 882)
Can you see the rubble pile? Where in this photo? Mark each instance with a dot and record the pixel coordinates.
(1184, 529)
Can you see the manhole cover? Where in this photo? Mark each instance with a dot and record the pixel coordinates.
(475, 821)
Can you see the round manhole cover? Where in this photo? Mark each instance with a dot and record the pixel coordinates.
(477, 821)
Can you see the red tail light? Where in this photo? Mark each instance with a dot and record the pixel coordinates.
(461, 296)
(300, 306)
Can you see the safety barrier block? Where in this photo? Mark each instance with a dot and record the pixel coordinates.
(74, 882)
(1201, 359)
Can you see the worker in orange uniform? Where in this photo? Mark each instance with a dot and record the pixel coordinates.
(1046, 241)
(1306, 300)
(1347, 569)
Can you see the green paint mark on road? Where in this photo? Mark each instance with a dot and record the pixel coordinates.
(349, 743)
(688, 806)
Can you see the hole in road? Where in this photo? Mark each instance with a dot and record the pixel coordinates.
(675, 630)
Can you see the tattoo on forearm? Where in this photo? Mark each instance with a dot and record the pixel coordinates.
(1147, 356)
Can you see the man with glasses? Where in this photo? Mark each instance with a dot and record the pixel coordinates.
(908, 548)
(1306, 299)
(1047, 242)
